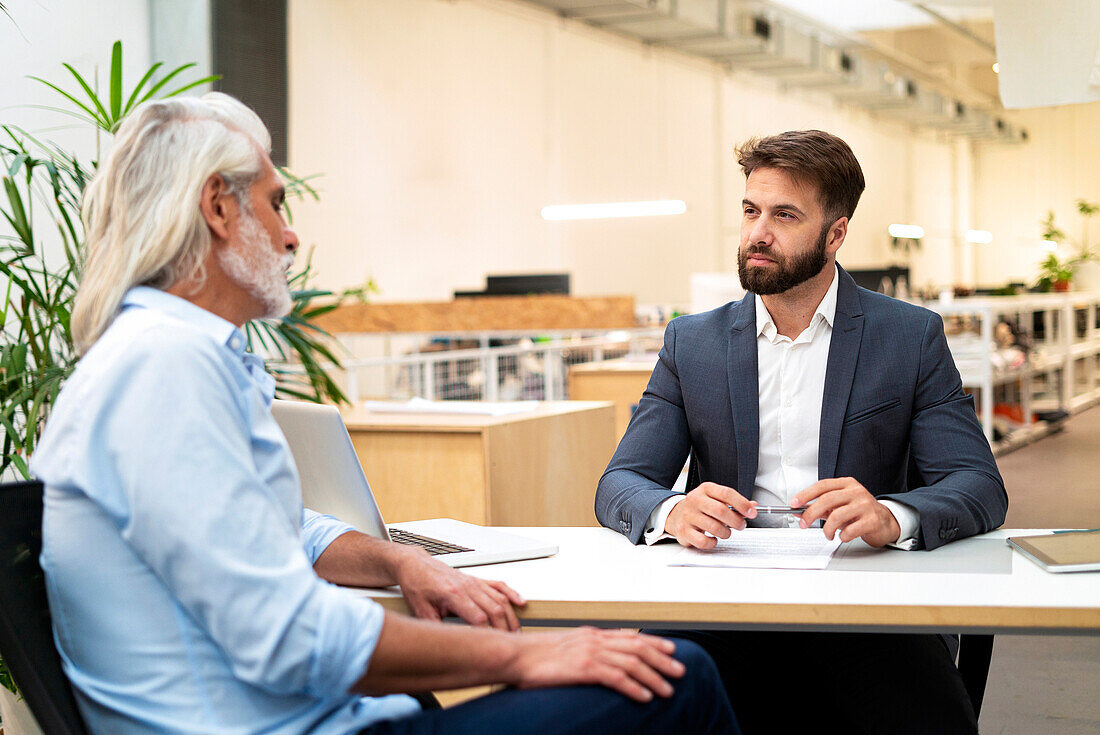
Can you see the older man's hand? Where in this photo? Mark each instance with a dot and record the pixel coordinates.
(434, 590)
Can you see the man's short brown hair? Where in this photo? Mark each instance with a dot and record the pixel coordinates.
(812, 156)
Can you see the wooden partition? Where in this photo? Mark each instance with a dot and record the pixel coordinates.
(485, 314)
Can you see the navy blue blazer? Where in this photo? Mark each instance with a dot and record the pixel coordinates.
(893, 416)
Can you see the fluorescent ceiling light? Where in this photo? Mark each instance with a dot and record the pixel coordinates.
(614, 209)
(909, 232)
(982, 237)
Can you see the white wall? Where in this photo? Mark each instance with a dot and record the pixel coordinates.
(442, 128)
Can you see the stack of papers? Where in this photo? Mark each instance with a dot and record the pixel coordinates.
(474, 408)
(765, 548)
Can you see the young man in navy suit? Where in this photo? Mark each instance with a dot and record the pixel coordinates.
(813, 393)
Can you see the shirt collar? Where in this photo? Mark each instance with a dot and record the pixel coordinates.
(826, 310)
(223, 332)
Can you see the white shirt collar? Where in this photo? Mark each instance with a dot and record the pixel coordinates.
(826, 311)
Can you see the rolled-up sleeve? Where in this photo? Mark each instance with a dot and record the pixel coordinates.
(318, 531)
(222, 540)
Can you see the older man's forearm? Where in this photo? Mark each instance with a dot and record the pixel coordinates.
(355, 559)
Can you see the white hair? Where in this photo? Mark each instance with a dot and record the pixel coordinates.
(142, 221)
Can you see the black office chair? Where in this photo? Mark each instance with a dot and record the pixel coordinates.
(26, 639)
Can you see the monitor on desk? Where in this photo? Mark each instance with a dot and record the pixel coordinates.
(522, 285)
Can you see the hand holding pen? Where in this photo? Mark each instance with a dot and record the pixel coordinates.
(708, 513)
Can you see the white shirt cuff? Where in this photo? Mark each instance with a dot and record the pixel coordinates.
(909, 520)
(655, 526)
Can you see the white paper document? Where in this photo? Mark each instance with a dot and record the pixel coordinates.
(765, 548)
(473, 408)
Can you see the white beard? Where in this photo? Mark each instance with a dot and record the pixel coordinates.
(257, 268)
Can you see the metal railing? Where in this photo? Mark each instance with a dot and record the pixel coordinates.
(527, 370)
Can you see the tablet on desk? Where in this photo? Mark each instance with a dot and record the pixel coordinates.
(1063, 551)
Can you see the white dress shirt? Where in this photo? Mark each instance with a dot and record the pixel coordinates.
(791, 377)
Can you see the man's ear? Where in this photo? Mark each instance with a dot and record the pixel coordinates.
(837, 232)
(214, 203)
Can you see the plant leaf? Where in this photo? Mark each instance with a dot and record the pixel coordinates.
(100, 122)
(137, 90)
(91, 95)
(204, 80)
(18, 217)
(168, 77)
(116, 81)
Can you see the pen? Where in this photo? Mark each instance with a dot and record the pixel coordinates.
(778, 510)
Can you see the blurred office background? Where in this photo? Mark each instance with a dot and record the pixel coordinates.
(442, 128)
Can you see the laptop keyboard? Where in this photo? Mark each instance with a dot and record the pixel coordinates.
(435, 547)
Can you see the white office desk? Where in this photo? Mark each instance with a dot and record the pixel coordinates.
(973, 585)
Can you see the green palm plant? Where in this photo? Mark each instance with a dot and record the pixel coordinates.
(43, 182)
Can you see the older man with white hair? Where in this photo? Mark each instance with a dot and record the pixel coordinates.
(190, 590)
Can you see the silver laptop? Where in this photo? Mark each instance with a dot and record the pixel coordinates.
(333, 483)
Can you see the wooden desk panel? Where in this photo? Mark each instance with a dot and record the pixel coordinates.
(620, 381)
(425, 474)
(536, 468)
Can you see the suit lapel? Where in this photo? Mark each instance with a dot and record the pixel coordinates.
(744, 386)
(839, 372)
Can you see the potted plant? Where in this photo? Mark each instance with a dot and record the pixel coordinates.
(1056, 272)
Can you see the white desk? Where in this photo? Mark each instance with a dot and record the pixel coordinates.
(600, 578)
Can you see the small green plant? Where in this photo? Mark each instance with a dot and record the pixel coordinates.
(1055, 271)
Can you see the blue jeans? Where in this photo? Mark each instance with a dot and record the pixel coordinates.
(699, 706)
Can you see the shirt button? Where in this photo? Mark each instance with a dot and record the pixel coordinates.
(788, 403)
(235, 343)
(787, 461)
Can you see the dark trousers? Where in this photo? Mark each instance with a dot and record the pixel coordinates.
(852, 683)
(698, 706)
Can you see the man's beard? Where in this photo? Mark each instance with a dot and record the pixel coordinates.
(255, 267)
(787, 273)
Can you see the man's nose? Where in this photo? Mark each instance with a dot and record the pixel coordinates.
(290, 238)
(760, 233)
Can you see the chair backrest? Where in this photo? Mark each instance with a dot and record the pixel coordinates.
(26, 637)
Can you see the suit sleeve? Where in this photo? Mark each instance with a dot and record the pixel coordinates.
(651, 453)
(958, 489)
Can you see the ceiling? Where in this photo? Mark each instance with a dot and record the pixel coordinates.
(929, 63)
(873, 15)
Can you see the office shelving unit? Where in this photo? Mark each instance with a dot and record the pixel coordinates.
(1062, 369)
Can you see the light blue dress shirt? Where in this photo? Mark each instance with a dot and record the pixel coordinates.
(178, 555)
